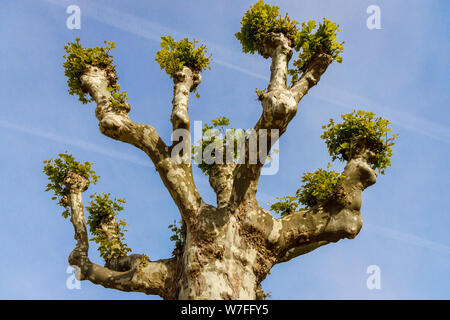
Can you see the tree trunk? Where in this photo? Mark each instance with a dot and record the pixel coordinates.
(219, 263)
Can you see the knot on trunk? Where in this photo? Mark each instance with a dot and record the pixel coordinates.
(317, 66)
(76, 182)
(275, 44)
(359, 171)
(188, 77)
(278, 106)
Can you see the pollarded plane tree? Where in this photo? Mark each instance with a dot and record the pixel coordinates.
(223, 251)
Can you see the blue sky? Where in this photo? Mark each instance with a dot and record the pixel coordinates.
(399, 72)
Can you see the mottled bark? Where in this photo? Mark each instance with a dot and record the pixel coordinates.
(115, 123)
(185, 81)
(228, 248)
(151, 277)
(279, 106)
(306, 230)
(221, 180)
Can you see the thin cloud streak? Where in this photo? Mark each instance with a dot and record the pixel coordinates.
(408, 238)
(408, 121)
(75, 142)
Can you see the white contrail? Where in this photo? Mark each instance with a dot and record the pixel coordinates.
(408, 238)
(75, 142)
(406, 120)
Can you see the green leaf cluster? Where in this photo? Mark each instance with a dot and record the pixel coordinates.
(144, 260)
(227, 140)
(56, 171)
(318, 187)
(179, 233)
(78, 58)
(360, 131)
(309, 43)
(267, 295)
(285, 206)
(215, 134)
(103, 211)
(118, 97)
(174, 55)
(260, 20)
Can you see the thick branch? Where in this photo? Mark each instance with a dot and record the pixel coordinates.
(185, 81)
(311, 76)
(221, 180)
(115, 123)
(277, 47)
(279, 107)
(306, 230)
(153, 278)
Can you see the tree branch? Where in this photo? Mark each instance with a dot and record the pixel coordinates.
(303, 231)
(221, 180)
(151, 278)
(115, 123)
(277, 47)
(318, 65)
(279, 107)
(185, 81)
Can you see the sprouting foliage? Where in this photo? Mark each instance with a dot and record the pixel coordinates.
(118, 97)
(76, 61)
(260, 92)
(174, 55)
(267, 295)
(261, 20)
(318, 187)
(308, 44)
(285, 206)
(217, 138)
(178, 234)
(108, 232)
(360, 131)
(56, 171)
(144, 260)
(221, 145)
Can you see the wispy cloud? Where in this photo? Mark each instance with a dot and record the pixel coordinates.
(152, 31)
(75, 142)
(408, 238)
(406, 120)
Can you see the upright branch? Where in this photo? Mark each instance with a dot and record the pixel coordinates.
(185, 81)
(136, 273)
(183, 62)
(273, 36)
(216, 154)
(92, 71)
(108, 231)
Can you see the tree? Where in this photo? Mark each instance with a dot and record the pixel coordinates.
(223, 251)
